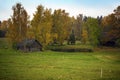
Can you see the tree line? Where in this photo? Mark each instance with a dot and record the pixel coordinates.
(55, 28)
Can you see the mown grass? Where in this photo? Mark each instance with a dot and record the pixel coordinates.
(4, 43)
(49, 65)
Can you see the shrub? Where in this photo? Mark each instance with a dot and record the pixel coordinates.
(70, 49)
(118, 43)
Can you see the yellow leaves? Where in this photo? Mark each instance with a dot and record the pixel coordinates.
(4, 25)
(18, 24)
(84, 36)
(30, 34)
(48, 38)
(54, 35)
(42, 24)
(61, 24)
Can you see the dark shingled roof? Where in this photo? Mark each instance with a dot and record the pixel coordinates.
(29, 44)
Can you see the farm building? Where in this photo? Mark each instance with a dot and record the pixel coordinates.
(2, 33)
(29, 45)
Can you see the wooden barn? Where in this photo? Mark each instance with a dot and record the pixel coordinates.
(2, 33)
(29, 45)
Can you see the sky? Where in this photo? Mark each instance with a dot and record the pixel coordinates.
(91, 8)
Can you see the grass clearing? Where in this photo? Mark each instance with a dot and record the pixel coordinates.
(49, 65)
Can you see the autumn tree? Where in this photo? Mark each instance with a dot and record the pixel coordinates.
(84, 38)
(41, 25)
(17, 24)
(111, 27)
(36, 20)
(0, 24)
(3, 28)
(117, 12)
(60, 29)
(4, 25)
(78, 26)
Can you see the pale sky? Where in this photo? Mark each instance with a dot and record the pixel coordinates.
(92, 8)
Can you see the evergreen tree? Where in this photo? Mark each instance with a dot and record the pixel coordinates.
(71, 39)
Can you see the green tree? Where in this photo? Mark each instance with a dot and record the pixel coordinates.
(72, 39)
(93, 30)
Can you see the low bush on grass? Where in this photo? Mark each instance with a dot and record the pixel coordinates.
(70, 49)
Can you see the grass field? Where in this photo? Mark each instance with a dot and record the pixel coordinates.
(102, 64)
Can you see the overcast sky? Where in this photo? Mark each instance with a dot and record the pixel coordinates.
(92, 8)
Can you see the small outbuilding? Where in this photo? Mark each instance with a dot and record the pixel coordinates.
(29, 45)
(2, 33)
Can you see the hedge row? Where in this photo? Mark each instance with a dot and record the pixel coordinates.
(72, 49)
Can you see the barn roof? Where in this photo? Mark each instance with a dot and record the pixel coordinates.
(28, 42)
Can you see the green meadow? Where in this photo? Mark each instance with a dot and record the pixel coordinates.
(102, 64)
(55, 40)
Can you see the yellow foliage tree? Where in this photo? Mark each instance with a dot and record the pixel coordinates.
(84, 36)
(17, 25)
(61, 25)
(42, 24)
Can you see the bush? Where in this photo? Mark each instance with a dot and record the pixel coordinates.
(70, 49)
(118, 43)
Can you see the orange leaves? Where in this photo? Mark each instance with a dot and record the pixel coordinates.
(111, 26)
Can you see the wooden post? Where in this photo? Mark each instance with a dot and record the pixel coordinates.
(101, 73)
